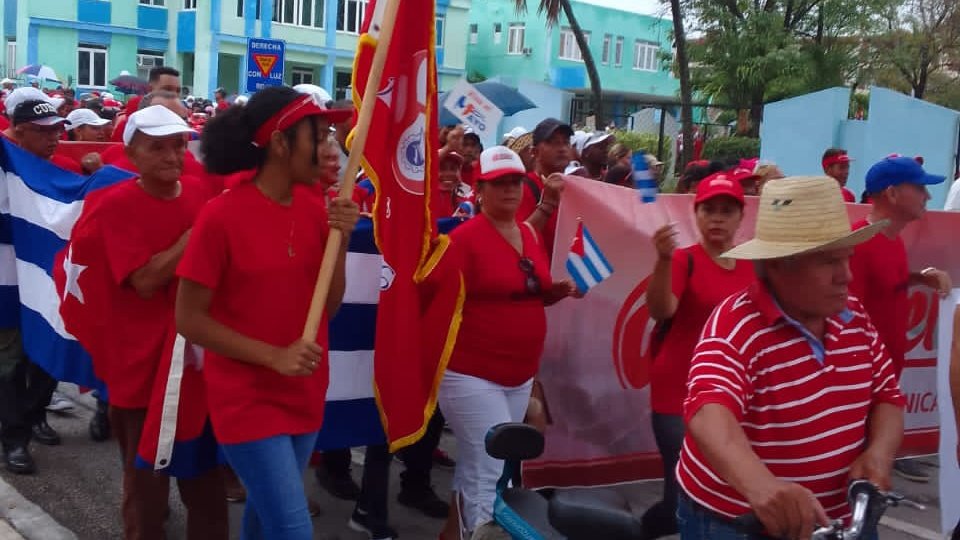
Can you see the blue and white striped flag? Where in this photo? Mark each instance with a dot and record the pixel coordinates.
(585, 262)
(643, 179)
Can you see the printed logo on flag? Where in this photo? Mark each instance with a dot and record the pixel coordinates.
(410, 161)
(585, 262)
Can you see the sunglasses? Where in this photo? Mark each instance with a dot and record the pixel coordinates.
(532, 282)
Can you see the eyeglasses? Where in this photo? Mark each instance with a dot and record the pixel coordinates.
(532, 282)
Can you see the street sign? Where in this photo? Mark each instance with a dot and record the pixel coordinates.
(473, 109)
(264, 63)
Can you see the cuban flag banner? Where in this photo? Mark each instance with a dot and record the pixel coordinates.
(39, 204)
(585, 262)
(643, 180)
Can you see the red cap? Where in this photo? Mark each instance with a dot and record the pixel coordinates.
(718, 184)
(451, 156)
(833, 160)
(740, 174)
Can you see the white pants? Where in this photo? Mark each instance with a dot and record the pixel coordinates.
(472, 406)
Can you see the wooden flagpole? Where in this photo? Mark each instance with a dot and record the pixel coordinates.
(364, 118)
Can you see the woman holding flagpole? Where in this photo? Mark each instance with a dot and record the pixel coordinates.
(246, 281)
(685, 286)
(506, 276)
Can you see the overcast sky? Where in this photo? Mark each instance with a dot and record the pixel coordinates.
(647, 7)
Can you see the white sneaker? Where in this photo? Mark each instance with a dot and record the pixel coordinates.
(60, 403)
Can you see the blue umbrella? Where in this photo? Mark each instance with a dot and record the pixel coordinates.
(507, 99)
(39, 71)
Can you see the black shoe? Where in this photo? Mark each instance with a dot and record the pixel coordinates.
(340, 485)
(659, 520)
(425, 500)
(44, 434)
(18, 460)
(100, 423)
(363, 522)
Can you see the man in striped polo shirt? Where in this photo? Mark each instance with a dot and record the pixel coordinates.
(791, 392)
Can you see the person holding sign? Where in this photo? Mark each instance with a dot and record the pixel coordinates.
(247, 278)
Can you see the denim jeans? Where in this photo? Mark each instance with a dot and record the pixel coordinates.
(697, 523)
(271, 470)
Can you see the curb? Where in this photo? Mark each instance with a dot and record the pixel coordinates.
(25, 520)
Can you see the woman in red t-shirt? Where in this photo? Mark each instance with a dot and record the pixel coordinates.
(686, 285)
(506, 275)
(247, 277)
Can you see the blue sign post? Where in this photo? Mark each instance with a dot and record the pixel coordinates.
(264, 63)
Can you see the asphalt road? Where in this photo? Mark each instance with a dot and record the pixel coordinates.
(78, 486)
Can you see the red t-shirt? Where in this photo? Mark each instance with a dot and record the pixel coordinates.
(64, 162)
(708, 285)
(467, 171)
(848, 195)
(503, 329)
(881, 277)
(529, 203)
(118, 128)
(133, 227)
(261, 260)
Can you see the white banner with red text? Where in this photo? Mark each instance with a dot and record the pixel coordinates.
(594, 371)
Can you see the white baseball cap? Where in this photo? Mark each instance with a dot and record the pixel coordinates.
(498, 161)
(591, 139)
(321, 94)
(516, 133)
(156, 121)
(24, 93)
(85, 117)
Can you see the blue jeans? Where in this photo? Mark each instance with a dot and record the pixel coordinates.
(697, 523)
(271, 470)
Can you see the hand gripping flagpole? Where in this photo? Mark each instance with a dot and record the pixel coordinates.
(335, 239)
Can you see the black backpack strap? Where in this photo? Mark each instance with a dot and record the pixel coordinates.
(534, 188)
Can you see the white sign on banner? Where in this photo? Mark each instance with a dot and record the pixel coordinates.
(473, 109)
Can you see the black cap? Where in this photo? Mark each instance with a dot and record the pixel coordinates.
(547, 128)
(39, 112)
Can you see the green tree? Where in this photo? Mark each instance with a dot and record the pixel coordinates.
(755, 51)
(686, 88)
(552, 10)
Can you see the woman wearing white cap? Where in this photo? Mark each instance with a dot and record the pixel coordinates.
(507, 280)
(86, 126)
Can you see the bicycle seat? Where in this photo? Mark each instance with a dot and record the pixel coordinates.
(514, 441)
(580, 521)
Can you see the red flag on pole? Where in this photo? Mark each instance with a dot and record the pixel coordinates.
(414, 338)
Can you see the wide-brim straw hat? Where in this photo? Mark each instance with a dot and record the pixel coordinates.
(520, 143)
(800, 215)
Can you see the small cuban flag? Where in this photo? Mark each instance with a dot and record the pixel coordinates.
(643, 179)
(585, 262)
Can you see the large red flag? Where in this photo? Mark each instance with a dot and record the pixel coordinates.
(414, 338)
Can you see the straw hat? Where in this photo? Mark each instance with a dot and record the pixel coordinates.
(521, 143)
(801, 215)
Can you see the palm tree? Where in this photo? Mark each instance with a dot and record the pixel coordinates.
(552, 9)
(686, 94)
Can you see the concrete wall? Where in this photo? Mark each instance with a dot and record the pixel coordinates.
(551, 102)
(795, 132)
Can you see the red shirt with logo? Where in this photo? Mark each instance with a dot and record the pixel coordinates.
(848, 195)
(504, 326)
(699, 284)
(133, 226)
(881, 277)
(802, 403)
(260, 259)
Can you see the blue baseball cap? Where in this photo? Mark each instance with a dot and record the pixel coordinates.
(892, 171)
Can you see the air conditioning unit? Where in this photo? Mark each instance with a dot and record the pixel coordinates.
(527, 51)
(145, 61)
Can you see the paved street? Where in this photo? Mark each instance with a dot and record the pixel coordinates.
(77, 491)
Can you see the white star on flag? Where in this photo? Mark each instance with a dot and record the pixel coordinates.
(72, 271)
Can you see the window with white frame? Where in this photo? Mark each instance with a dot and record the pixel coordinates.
(241, 6)
(147, 60)
(569, 50)
(189, 5)
(153, 2)
(605, 58)
(350, 14)
(645, 55)
(618, 52)
(440, 25)
(474, 34)
(301, 76)
(91, 66)
(497, 33)
(299, 12)
(11, 65)
(515, 38)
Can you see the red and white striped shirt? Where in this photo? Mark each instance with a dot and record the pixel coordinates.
(803, 404)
